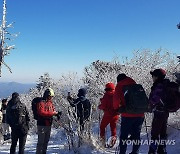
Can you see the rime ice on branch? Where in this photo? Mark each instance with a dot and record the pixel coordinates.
(5, 37)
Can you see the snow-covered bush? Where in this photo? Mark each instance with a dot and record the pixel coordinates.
(138, 67)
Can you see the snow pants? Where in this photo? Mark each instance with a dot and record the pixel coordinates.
(107, 119)
(130, 126)
(15, 136)
(158, 132)
(43, 139)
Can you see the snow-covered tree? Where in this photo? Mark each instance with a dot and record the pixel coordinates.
(138, 67)
(5, 38)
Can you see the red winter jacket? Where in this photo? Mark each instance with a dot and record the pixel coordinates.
(107, 104)
(118, 98)
(45, 110)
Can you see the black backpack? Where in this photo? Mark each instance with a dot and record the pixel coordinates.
(83, 108)
(136, 101)
(18, 115)
(172, 97)
(34, 103)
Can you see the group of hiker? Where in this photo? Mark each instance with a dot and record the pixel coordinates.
(17, 117)
(127, 99)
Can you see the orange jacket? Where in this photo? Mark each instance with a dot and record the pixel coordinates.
(118, 98)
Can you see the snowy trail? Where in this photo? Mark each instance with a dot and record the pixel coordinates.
(58, 143)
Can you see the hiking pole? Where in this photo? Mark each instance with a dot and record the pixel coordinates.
(145, 122)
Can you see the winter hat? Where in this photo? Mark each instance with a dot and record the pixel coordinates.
(15, 95)
(82, 92)
(48, 92)
(121, 76)
(51, 92)
(110, 86)
(158, 73)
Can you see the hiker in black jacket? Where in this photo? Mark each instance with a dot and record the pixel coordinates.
(82, 107)
(5, 126)
(17, 117)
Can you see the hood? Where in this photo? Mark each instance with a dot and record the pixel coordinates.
(14, 101)
(82, 92)
(110, 93)
(126, 81)
(110, 86)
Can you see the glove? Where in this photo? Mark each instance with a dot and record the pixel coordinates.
(70, 99)
(59, 114)
(121, 109)
(150, 109)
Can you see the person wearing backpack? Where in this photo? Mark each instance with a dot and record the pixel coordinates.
(5, 126)
(110, 115)
(45, 113)
(82, 107)
(131, 117)
(160, 113)
(17, 116)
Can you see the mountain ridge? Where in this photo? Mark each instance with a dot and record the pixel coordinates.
(7, 88)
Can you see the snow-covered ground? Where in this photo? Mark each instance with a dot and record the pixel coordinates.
(58, 143)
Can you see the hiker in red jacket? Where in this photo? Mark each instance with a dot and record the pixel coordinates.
(45, 111)
(131, 124)
(110, 115)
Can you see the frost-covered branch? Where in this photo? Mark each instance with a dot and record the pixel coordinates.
(5, 36)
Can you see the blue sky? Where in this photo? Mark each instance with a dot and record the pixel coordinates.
(59, 36)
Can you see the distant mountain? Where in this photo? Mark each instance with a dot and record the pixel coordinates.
(7, 88)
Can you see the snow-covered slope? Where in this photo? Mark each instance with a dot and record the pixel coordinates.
(58, 143)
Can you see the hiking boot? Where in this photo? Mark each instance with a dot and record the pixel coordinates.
(102, 142)
(153, 148)
(5, 137)
(8, 136)
(151, 151)
(112, 142)
(161, 149)
(161, 152)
